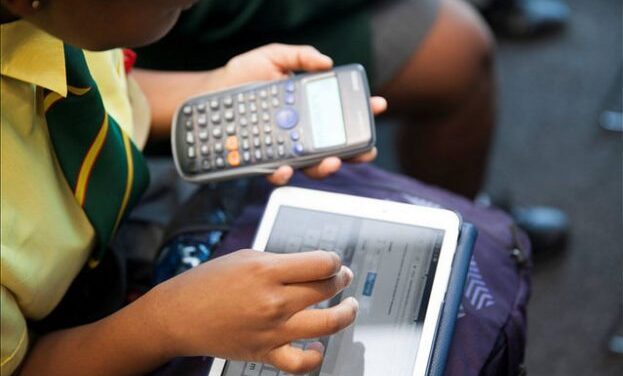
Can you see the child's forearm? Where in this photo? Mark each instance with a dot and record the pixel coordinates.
(165, 91)
(128, 342)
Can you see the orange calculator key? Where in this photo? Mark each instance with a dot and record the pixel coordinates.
(231, 143)
(233, 158)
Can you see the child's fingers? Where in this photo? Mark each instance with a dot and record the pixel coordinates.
(294, 360)
(368, 156)
(305, 266)
(323, 169)
(303, 295)
(297, 57)
(378, 104)
(281, 176)
(313, 323)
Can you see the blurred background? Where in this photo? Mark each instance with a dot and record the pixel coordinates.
(550, 150)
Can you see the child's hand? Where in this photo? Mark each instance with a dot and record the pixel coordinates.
(276, 61)
(250, 305)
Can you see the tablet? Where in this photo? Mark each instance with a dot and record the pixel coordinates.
(401, 256)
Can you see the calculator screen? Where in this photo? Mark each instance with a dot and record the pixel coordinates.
(325, 109)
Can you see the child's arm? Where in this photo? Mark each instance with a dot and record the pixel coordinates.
(248, 305)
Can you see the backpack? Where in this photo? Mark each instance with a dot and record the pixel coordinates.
(490, 332)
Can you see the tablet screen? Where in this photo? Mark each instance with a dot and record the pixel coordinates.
(394, 266)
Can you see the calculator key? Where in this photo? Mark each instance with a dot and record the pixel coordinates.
(214, 104)
(201, 107)
(246, 145)
(252, 369)
(231, 129)
(228, 101)
(257, 142)
(258, 155)
(253, 107)
(280, 139)
(264, 105)
(265, 117)
(267, 128)
(244, 132)
(246, 156)
(255, 130)
(204, 149)
(218, 147)
(263, 93)
(220, 162)
(251, 96)
(254, 118)
(240, 97)
(192, 167)
(286, 118)
(217, 132)
(274, 102)
(289, 98)
(205, 165)
(274, 90)
(202, 120)
(269, 153)
(242, 108)
(229, 115)
(243, 121)
(233, 158)
(203, 134)
(289, 86)
(191, 152)
(189, 124)
(281, 151)
(215, 118)
(187, 110)
(268, 140)
(298, 149)
(190, 138)
(295, 136)
(231, 143)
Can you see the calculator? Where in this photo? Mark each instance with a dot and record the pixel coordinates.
(254, 129)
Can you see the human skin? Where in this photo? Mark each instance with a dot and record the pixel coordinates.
(247, 305)
(444, 96)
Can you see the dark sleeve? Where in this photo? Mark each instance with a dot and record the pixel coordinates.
(209, 34)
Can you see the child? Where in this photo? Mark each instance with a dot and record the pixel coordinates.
(72, 127)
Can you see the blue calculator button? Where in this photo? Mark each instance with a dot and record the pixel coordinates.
(286, 118)
(298, 149)
(289, 86)
(295, 136)
(289, 98)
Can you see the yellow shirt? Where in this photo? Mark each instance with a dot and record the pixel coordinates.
(46, 236)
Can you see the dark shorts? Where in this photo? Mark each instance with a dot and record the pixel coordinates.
(398, 29)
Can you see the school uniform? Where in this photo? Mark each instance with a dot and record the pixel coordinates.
(57, 216)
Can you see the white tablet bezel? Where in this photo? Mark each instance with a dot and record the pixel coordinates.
(381, 210)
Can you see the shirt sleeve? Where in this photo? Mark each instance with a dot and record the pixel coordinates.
(14, 333)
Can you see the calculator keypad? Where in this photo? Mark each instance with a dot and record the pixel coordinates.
(242, 129)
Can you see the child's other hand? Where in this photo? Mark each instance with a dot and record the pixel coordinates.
(276, 61)
(251, 305)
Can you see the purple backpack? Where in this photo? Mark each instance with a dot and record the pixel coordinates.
(490, 331)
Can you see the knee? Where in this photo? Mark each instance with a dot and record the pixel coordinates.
(466, 65)
(454, 62)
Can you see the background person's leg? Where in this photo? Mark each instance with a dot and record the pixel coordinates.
(445, 98)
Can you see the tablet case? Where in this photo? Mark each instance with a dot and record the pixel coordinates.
(452, 301)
